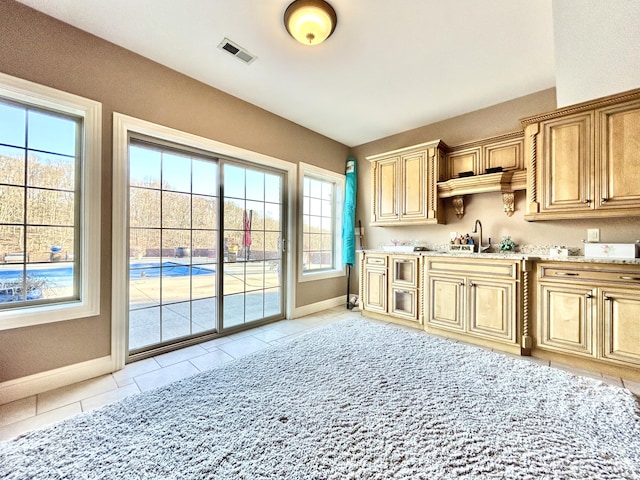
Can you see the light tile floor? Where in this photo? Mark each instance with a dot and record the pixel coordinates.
(56, 405)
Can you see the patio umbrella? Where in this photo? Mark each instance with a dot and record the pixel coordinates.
(246, 233)
(348, 223)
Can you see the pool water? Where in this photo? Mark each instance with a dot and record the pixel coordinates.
(169, 269)
(62, 276)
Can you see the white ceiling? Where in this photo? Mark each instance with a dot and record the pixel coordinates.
(390, 66)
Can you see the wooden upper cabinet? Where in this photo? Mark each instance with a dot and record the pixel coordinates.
(503, 154)
(619, 156)
(504, 151)
(413, 169)
(386, 181)
(465, 160)
(584, 160)
(404, 185)
(566, 164)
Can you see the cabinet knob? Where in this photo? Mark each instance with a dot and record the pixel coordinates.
(603, 200)
(588, 296)
(472, 284)
(587, 201)
(567, 274)
(461, 284)
(607, 298)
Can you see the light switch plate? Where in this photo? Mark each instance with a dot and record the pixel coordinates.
(593, 235)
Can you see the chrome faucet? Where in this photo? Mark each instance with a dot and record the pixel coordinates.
(475, 230)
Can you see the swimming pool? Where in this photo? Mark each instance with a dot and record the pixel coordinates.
(61, 276)
(169, 269)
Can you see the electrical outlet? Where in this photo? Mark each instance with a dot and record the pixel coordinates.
(593, 235)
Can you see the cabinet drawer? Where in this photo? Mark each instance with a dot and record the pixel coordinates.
(630, 276)
(376, 260)
(476, 267)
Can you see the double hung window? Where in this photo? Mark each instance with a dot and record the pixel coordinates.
(322, 204)
(49, 204)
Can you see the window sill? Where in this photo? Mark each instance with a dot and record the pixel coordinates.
(324, 275)
(29, 316)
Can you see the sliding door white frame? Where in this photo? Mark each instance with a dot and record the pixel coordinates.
(124, 125)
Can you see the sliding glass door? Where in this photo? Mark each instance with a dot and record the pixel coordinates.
(189, 277)
(253, 245)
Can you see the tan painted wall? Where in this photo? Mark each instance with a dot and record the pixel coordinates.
(487, 207)
(41, 49)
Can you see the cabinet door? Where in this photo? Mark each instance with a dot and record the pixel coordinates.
(446, 302)
(404, 271)
(467, 160)
(492, 309)
(621, 325)
(565, 169)
(385, 193)
(375, 290)
(619, 163)
(404, 303)
(413, 193)
(507, 154)
(565, 318)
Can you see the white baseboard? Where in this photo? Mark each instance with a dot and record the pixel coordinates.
(319, 306)
(12, 390)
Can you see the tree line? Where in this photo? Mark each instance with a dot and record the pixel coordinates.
(41, 192)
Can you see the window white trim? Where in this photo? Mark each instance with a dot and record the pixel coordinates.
(91, 111)
(339, 180)
(123, 125)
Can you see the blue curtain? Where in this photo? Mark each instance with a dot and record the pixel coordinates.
(349, 215)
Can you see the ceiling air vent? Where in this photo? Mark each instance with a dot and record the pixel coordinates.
(237, 51)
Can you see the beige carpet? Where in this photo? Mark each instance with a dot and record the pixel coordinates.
(355, 400)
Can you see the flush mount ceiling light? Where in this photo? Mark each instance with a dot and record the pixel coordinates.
(310, 22)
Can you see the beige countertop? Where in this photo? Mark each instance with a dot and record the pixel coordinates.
(509, 256)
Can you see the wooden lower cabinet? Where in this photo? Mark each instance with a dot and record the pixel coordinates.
(566, 318)
(589, 311)
(375, 293)
(477, 300)
(404, 303)
(390, 286)
(582, 313)
(492, 309)
(621, 325)
(373, 282)
(446, 302)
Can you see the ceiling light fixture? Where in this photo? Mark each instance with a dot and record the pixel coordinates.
(310, 22)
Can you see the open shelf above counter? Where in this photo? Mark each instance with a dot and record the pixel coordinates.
(505, 182)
